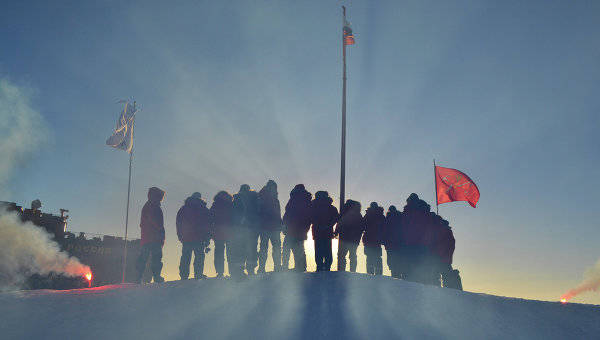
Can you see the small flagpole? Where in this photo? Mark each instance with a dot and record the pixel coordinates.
(437, 206)
(343, 151)
(128, 195)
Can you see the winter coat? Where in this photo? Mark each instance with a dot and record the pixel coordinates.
(245, 209)
(351, 226)
(392, 230)
(152, 224)
(297, 214)
(323, 217)
(221, 213)
(193, 221)
(416, 226)
(445, 243)
(374, 224)
(269, 211)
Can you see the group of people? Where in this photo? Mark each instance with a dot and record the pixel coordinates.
(418, 242)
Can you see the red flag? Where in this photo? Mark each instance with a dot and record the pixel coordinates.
(452, 185)
(348, 36)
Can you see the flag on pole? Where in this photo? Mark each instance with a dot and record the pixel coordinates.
(348, 36)
(122, 137)
(453, 185)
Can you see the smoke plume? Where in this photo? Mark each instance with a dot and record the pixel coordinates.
(22, 130)
(26, 250)
(591, 282)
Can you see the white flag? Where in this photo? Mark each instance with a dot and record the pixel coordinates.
(122, 137)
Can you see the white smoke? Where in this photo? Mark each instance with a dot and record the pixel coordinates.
(591, 282)
(22, 130)
(26, 249)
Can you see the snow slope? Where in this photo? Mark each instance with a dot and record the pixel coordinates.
(288, 305)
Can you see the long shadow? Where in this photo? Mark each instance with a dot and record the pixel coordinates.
(325, 311)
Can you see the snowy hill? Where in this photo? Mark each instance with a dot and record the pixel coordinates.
(288, 305)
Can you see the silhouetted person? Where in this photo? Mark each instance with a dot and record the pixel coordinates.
(431, 235)
(350, 228)
(444, 248)
(221, 213)
(296, 222)
(246, 221)
(372, 238)
(415, 235)
(153, 235)
(193, 224)
(270, 226)
(323, 217)
(392, 242)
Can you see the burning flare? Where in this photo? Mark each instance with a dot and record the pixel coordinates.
(88, 277)
(591, 282)
(26, 249)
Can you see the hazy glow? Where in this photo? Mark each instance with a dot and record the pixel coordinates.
(232, 94)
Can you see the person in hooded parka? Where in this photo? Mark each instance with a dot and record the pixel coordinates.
(296, 221)
(246, 223)
(323, 218)
(153, 236)
(445, 250)
(221, 213)
(270, 226)
(350, 227)
(392, 241)
(193, 226)
(432, 234)
(372, 238)
(416, 221)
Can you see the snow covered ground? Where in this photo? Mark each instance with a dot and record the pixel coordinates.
(288, 305)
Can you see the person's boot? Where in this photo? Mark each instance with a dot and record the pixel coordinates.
(250, 270)
(159, 279)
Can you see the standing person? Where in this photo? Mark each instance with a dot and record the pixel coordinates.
(153, 235)
(297, 223)
(237, 251)
(323, 217)
(374, 224)
(416, 221)
(445, 245)
(270, 226)
(432, 240)
(350, 228)
(245, 210)
(392, 241)
(193, 224)
(221, 213)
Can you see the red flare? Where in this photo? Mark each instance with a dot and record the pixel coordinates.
(88, 277)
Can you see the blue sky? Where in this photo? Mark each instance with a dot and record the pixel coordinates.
(245, 92)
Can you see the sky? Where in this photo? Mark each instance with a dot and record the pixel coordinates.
(247, 91)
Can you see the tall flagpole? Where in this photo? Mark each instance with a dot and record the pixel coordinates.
(437, 206)
(128, 195)
(343, 151)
